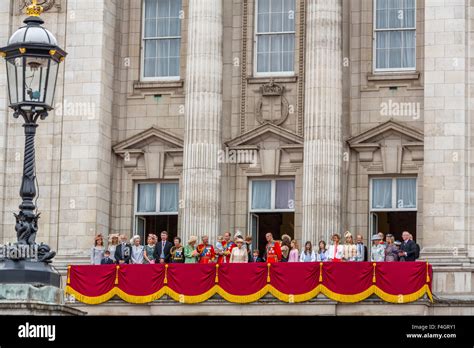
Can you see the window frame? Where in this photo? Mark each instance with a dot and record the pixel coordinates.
(143, 78)
(255, 43)
(394, 194)
(158, 184)
(374, 42)
(272, 196)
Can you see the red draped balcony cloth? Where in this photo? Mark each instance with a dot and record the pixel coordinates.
(348, 282)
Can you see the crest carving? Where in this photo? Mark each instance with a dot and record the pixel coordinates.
(46, 4)
(272, 107)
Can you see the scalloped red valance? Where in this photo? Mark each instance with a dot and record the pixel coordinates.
(349, 282)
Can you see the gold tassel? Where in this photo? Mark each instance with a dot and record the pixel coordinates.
(320, 272)
(268, 272)
(68, 275)
(427, 272)
(116, 274)
(217, 273)
(373, 278)
(166, 275)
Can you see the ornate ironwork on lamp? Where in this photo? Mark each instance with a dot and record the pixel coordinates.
(32, 59)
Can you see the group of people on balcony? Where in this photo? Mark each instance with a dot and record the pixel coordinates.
(239, 250)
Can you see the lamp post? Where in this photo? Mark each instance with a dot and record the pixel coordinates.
(32, 59)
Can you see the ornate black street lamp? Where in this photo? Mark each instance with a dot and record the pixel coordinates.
(32, 59)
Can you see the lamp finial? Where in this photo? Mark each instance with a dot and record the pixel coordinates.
(34, 9)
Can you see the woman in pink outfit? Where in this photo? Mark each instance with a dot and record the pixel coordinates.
(294, 254)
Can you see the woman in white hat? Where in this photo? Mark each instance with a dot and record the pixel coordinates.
(350, 249)
(113, 242)
(137, 250)
(190, 252)
(239, 253)
(378, 250)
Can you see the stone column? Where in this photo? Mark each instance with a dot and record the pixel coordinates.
(322, 121)
(200, 188)
(446, 226)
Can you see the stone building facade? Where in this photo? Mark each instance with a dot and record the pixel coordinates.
(305, 117)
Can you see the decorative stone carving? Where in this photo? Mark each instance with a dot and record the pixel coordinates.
(381, 149)
(133, 148)
(272, 107)
(46, 4)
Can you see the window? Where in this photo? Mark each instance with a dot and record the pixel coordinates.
(156, 209)
(272, 195)
(275, 37)
(156, 199)
(393, 194)
(161, 39)
(395, 35)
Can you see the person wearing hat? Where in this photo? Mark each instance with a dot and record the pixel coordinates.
(113, 242)
(272, 249)
(227, 246)
(391, 250)
(137, 250)
(149, 250)
(97, 251)
(350, 250)
(190, 252)
(239, 253)
(335, 251)
(206, 251)
(378, 250)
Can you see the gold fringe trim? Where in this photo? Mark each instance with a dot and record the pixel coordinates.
(165, 281)
(290, 298)
(90, 300)
(373, 277)
(245, 298)
(347, 298)
(216, 280)
(140, 299)
(427, 272)
(116, 274)
(268, 272)
(404, 298)
(68, 281)
(191, 299)
(320, 272)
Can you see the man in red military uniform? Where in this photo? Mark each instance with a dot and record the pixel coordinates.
(206, 251)
(228, 245)
(272, 249)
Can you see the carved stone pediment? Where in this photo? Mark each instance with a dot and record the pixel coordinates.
(156, 148)
(275, 146)
(258, 135)
(272, 106)
(389, 147)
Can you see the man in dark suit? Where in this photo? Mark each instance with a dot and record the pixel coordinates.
(107, 260)
(123, 251)
(408, 248)
(163, 249)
